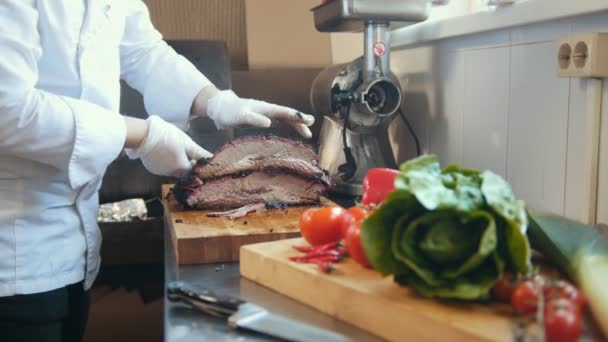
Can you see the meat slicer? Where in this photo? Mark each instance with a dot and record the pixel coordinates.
(359, 99)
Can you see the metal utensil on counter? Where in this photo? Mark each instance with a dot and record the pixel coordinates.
(248, 316)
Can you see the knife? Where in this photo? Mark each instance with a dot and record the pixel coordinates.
(248, 316)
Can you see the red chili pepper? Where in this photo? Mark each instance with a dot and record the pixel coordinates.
(377, 184)
(303, 249)
(308, 249)
(316, 254)
(326, 246)
(323, 255)
(329, 258)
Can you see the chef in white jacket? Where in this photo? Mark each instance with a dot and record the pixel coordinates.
(60, 66)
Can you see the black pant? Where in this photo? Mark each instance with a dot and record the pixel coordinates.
(55, 316)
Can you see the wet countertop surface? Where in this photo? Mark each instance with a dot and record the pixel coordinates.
(184, 324)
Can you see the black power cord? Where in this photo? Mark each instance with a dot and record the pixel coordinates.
(411, 130)
(348, 169)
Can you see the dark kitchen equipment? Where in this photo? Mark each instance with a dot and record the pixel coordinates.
(359, 99)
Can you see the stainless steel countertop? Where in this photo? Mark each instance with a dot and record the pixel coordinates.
(183, 324)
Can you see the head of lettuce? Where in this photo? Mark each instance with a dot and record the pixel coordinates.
(448, 233)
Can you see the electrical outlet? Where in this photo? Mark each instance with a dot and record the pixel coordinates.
(584, 55)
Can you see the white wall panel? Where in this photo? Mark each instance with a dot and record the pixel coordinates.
(485, 109)
(590, 23)
(418, 99)
(585, 117)
(602, 191)
(493, 100)
(477, 41)
(538, 121)
(583, 149)
(543, 32)
(445, 126)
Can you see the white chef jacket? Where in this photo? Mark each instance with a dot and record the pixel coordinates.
(60, 66)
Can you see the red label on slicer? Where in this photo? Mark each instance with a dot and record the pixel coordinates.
(379, 49)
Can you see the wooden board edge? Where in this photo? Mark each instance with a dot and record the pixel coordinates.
(235, 243)
(169, 224)
(171, 228)
(286, 283)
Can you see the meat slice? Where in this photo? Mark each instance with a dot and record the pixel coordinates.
(261, 153)
(256, 187)
(259, 163)
(251, 172)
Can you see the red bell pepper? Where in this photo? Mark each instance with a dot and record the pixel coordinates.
(377, 184)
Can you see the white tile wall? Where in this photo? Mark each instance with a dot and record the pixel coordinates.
(543, 32)
(417, 102)
(538, 120)
(445, 131)
(494, 101)
(602, 192)
(485, 109)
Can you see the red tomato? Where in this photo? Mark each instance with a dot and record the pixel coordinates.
(563, 289)
(377, 184)
(504, 287)
(353, 214)
(354, 246)
(562, 321)
(321, 225)
(525, 297)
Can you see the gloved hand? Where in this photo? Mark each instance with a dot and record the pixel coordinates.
(167, 150)
(227, 110)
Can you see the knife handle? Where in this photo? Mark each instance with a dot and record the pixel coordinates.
(203, 299)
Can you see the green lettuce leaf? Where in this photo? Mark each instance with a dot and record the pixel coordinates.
(441, 247)
(474, 286)
(499, 196)
(448, 233)
(376, 235)
(435, 189)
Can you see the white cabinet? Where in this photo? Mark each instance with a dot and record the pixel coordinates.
(485, 109)
(538, 128)
(602, 188)
(494, 101)
(445, 129)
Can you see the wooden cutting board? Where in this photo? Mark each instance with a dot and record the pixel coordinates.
(200, 239)
(365, 299)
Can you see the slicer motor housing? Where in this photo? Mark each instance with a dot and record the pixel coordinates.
(360, 98)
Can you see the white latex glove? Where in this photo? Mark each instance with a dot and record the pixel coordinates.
(167, 150)
(227, 110)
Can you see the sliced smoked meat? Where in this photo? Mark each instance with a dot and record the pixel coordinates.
(261, 153)
(257, 187)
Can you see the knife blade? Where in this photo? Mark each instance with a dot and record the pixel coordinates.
(247, 316)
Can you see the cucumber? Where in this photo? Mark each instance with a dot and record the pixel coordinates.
(580, 251)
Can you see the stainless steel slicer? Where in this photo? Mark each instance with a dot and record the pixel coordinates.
(359, 99)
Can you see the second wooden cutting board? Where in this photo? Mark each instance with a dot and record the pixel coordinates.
(199, 239)
(365, 299)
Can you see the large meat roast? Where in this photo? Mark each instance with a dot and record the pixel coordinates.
(251, 173)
